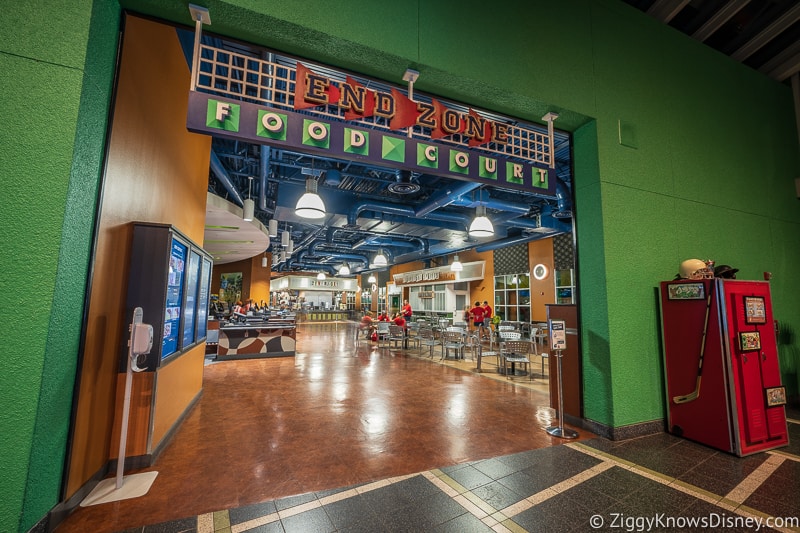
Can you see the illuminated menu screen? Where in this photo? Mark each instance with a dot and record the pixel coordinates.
(189, 314)
(202, 299)
(172, 312)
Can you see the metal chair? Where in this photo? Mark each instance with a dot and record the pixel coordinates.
(515, 352)
(453, 340)
(427, 338)
(543, 355)
(383, 331)
(412, 334)
(396, 334)
(505, 333)
(540, 335)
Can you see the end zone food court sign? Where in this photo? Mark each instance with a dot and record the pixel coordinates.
(282, 126)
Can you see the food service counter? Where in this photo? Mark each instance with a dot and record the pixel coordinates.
(256, 340)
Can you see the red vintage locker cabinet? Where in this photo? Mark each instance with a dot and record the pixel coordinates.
(723, 382)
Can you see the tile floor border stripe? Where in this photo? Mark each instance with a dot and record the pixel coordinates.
(687, 488)
(254, 523)
(755, 479)
(787, 455)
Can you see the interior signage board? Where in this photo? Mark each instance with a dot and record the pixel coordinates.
(236, 119)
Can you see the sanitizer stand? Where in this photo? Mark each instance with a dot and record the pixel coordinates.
(134, 485)
(558, 342)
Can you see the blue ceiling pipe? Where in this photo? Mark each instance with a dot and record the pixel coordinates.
(263, 175)
(564, 200)
(493, 203)
(445, 197)
(222, 175)
(388, 240)
(344, 255)
(510, 241)
(383, 207)
(306, 266)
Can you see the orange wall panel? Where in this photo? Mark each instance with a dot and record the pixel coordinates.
(177, 384)
(542, 292)
(156, 172)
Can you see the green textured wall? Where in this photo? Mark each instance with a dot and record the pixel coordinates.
(55, 101)
(707, 170)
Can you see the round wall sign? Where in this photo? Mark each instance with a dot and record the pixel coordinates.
(540, 271)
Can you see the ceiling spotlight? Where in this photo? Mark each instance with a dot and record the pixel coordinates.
(456, 265)
(345, 270)
(481, 225)
(380, 260)
(310, 205)
(321, 276)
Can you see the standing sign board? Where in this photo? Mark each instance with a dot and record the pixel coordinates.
(558, 335)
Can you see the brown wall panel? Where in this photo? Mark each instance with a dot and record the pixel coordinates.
(139, 419)
(156, 172)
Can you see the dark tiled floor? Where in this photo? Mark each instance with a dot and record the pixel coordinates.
(377, 440)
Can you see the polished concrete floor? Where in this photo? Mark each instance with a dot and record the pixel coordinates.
(362, 438)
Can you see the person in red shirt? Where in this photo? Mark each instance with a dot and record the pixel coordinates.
(367, 326)
(487, 319)
(477, 315)
(406, 310)
(400, 321)
(383, 317)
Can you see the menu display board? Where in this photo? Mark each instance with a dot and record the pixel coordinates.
(190, 308)
(202, 300)
(169, 279)
(174, 298)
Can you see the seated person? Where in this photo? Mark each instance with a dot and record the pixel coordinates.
(367, 325)
(383, 317)
(399, 320)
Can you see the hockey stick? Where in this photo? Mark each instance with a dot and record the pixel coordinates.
(696, 392)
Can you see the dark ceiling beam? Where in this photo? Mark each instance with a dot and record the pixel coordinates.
(783, 65)
(780, 24)
(665, 10)
(719, 19)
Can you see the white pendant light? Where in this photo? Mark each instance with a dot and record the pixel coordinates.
(248, 206)
(481, 225)
(380, 259)
(321, 276)
(345, 270)
(264, 261)
(285, 237)
(372, 278)
(456, 265)
(310, 205)
(290, 247)
(249, 209)
(273, 227)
